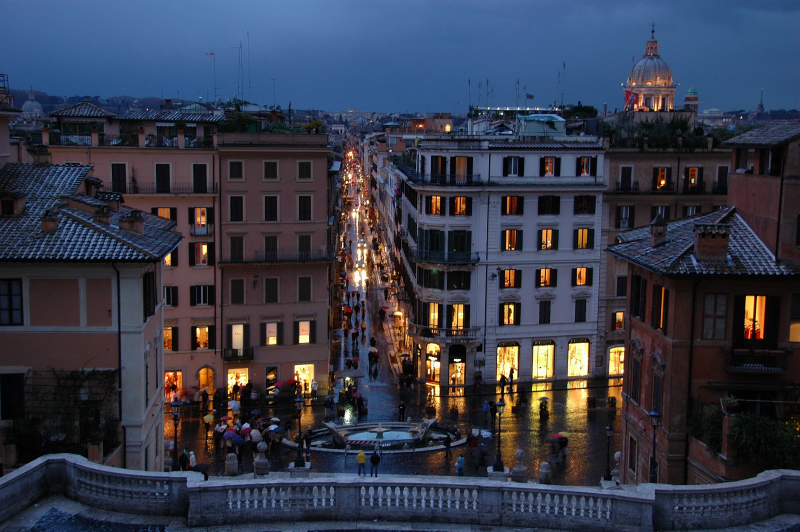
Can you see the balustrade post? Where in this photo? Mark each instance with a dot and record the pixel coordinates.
(490, 506)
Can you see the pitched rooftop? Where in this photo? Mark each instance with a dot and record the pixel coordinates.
(85, 109)
(772, 135)
(747, 254)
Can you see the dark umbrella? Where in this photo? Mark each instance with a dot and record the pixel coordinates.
(256, 412)
(229, 435)
(238, 440)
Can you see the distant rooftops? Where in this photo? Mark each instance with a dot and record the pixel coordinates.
(771, 135)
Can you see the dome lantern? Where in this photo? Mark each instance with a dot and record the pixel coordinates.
(650, 86)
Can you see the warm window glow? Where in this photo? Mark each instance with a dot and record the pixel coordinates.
(509, 314)
(583, 239)
(511, 240)
(661, 180)
(547, 239)
(512, 204)
(272, 334)
(586, 165)
(460, 169)
(509, 278)
(239, 376)
(201, 337)
(304, 374)
(616, 361)
(436, 205)
(755, 309)
(459, 206)
(168, 260)
(201, 253)
(549, 166)
(433, 316)
(580, 276)
(458, 317)
(692, 176)
(200, 216)
(163, 212)
(543, 361)
(544, 277)
(578, 359)
(507, 358)
(304, 336)
(167, 338)
(619, 320)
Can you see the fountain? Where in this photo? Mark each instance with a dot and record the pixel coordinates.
(407, 436)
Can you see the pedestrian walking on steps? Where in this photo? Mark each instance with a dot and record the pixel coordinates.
(447, 442)
(374, 460)
(485, 413)
(401, 409)
(460, 466)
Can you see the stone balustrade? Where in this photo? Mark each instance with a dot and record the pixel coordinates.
(229, 501)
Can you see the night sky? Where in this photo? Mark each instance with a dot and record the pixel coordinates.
(402, 55)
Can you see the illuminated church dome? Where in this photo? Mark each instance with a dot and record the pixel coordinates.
(650, 86)
(32, 108)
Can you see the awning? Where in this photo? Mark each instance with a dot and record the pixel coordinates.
(351, 373)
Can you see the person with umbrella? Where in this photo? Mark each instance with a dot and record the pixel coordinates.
(204, 400)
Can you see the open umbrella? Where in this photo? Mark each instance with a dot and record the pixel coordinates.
(208, 418)
(544, 399)
(278, 383)
(356, 360)
(405, 355)
(291, 381)
(246, 431)
(238, 440)
(275, 419)
(279, 429)
(559, 435)
(225, 418)
(373, 349)
(229, 435)
(272, 427)
(255, 411)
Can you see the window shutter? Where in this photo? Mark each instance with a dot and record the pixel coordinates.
(589, 276)
(666, 214)
(699, 176)
(428, 204)
(574, 239)
(210, 214)
(517, 278)
(592, 204)
(521, 167)
(280, 333)
(558, 167)
(555, 239)
(538, 278)
(466, 316)
(229, 336)
(738, 319)
(520, 204)
(451, 240)
(426, 314)
(211, 254)
(655, 178)
(452, 167)
(669, 175)
(590, 244)
(503, 240)
(506, 164)
(653, 212)
(541, 166)
(262, 334)
(312, 332)
(553, 277)
(666, 311)
(452, 201)
(246, 333)
(772, 318)
(469, 206)
(212, 337)
(517, 309)
(574, 276)
(173, 214)
(686, 174)
(449, 315)
(191, 253)
(174, 296)
(192, 295)
(593, 166)
(193, 338)
(441, 317)
(504, 205)
(175, 257)
(191, 215)
(175, 339)
(632, 216)
(154, 211)
(556, 204)
(539, 239)
(295, 332)
(212, 295)
(469, 166)
(519, 240)
(578, 166)
(500, 315)
(618, 221)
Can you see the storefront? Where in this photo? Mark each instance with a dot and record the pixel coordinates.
(205, 377)
(507, 358)
(578, 357)
(457, 360)
(433, 363)
(616, 360)
(239, 376)
(544, 352)
(304, 374)
(173, 381)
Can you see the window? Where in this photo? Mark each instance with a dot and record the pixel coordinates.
(715, 310)
(458, 280)
(619, 320)
(237, 208)
(171, 260)
(511, 279)
(170, 213)
(430, 278)
(270, 208)
(511, 240)
(658, 316)
(755, 317)
(460, 206)
(270, 170)
(119, 177)
(433, 314)
(634, 388)
(305, 332)
(304, 245)
(433, 205)
(202, 337)
(578, 358)
(163, 172)
(546, 277)
(544, 312)
(586, 166)
(149, 294)
(663, 210)
(585, 204)
(626, 183)
(170, 339)
(721, 186)
(200, 218)
(304, 170)
(693, 179)
(460, 169)
(270, 247)
(616, 360)
(691, 210)
(550, 166)
(237, 249)
(661, 178)
(548, 239)
(237, 291)
(549, 205)
(200, 178)
(273, 335)
(201, 253)
(304, 208)
(271, 290)
(514, 166)
(512, 205)
(638, 296)
(794, 319)
(11, 302)
(201, 294)
(271, 374)
(12, 396)
(625, 216)
(583, 238)
(632, 454)
(582, 276)
(236, 170)
(580, 310)
(170, 296)
(460, 243)
(543, 357)
(509, 313)
(622, 286)
(656, 399)
(458, 316)
(304, 288)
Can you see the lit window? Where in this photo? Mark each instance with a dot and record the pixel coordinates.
(436, 205)
(543, 355)
(619, 320)
(458, 317)
(581, 276)
(163, 212)
(511, 278)
(200, 216)
(304, 332)
(168, 260)
(661, 178)
(510, 242)
(509, 314)
(549, 165)
(547, 239)
(459, 206)
(755, 310)
(271, 337)
(433, 314)
(585, 165)
(578, 359)
(616, 361)
(201, 337)
(201, 253)
(511, 205)
(582, 239)
(167, 338)
(545, 277)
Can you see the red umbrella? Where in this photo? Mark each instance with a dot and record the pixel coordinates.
(278, 383)
(246, 431)
(225, 418)
(557, 436)
(291, 381)
(356, 360)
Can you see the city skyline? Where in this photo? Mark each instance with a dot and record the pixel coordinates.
(407, 56)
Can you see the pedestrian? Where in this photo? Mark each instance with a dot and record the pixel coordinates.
(503, 384)
(314, 387)
(401, 409)
(375, 372)
(355, 337)
(307, 441)
(235, 391)
(386, 294)
(362, 460)
(447, 442)
(510, 378)
(460, 465)
(204, 401)
(372, 341)
(374, 460)
(493, 411)
(485, 413)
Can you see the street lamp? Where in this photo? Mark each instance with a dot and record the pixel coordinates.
(299, 403)
(609, 432)
(654, 417)
(498, 461)
(175, 406)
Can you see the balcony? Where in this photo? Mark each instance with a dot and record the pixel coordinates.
(445, 180)
(666, 188)
(61, 139)
(719, 188)
(697, 188)
(263, 257)
(447, 335)
(759, 361)
(172, 188)
(201, 230)
(237, 355)
(441, 257)
(627, 187)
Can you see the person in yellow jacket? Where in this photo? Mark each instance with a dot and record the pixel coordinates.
(362, 460)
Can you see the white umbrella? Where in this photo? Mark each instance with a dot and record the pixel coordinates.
(272, 427)
(234, 405)
(275, 419)
(373, 349)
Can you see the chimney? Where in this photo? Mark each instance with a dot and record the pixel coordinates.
(658, 231)
(102, 214)
(132, 222)
(167, 103)
(711, 241)
(49, 222)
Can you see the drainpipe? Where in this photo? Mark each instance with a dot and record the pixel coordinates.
(689, 387)
(218, 240)
(119, 374)
(780, 212)
(486, 286)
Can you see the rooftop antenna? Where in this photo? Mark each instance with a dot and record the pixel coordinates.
(564, 85)
(480, 84)
(240, 77)
(211, 53)
(249, 87)
(487, 92)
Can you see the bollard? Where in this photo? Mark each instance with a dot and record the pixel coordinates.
(545, 473)
(231, 465)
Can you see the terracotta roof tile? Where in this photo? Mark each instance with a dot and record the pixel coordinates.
(85, 109)
(772, 135)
